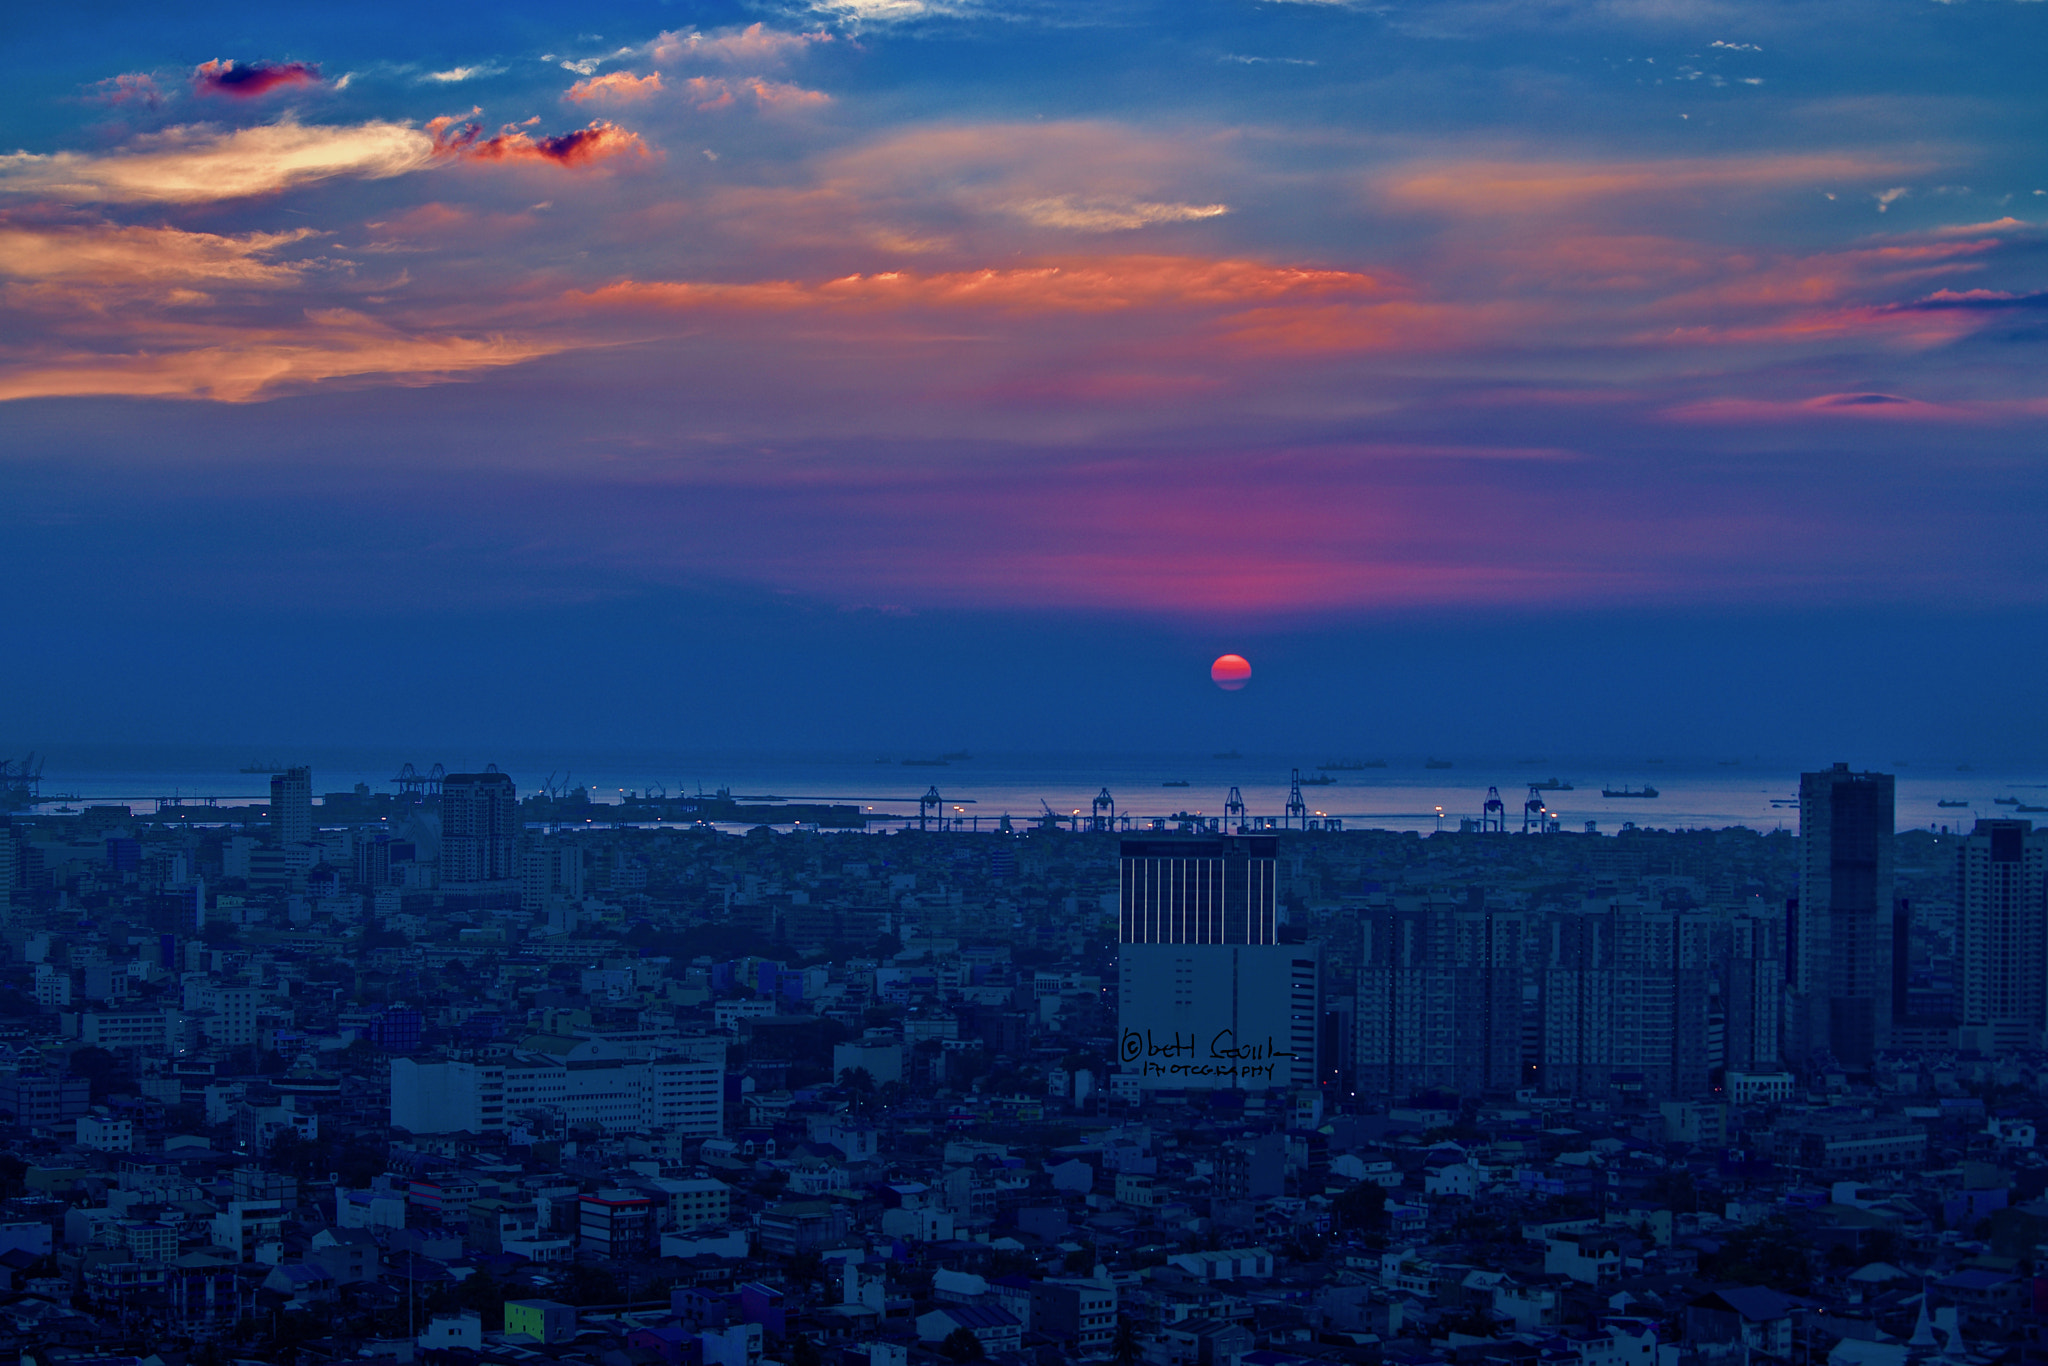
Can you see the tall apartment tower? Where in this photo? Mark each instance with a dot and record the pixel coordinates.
(479, 828)
(1207, 996)
(1753, 991)
(1625, 991)
(1439, 1001)
(1841, 995)
(291, 806)
(2002, 934)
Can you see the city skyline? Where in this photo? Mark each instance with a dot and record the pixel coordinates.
(758, 373)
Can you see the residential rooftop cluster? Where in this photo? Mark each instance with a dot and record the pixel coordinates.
(454, 1077)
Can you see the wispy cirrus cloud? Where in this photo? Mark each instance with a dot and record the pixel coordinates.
(756, 45)
(1110, 215)
(1098, 285)
(257, 78)
(231, 364)
(1492, 185)
(130, 87)
(716, 92)
(198, 163)
(116, 254)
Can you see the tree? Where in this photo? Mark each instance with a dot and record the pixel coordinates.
(804, 1352)
(1362, 1208)
(1772, 1254)
(1125, 1350)
(101, 1070)
(962, 1346)
(592, 1285)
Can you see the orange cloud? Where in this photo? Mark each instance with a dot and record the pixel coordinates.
(195, 164)
(105, 253)
(241, 365)
(1090, 286)
(615, 85)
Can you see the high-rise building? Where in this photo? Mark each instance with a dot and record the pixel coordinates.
(1439, 1002)
(1215, 890)
(2002, 934)
(291, 806)
(1207, 997)
(479, 828)
(1753, 991)
(1625, 991)
(1841, 997)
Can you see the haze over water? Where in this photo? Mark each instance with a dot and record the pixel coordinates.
(1402, 796)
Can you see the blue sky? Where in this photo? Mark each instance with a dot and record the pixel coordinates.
(752, 374)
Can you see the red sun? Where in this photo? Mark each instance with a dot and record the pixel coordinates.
(1231, 672)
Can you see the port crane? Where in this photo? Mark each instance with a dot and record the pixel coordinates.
(1103, 802)
(1493, 817)
(1297, 809)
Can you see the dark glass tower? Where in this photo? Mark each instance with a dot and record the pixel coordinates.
(1842, 994)
(1200, 890)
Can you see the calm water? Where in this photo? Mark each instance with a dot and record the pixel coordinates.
(1404, 795)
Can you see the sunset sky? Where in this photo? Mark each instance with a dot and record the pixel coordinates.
(1597, 373)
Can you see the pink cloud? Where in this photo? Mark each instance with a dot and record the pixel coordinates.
(716, 92)
(258, 78)
(602, 140)
(1495, 186)
(130, 87)
(754, 45)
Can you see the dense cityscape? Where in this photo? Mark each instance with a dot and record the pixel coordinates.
(449, 1074)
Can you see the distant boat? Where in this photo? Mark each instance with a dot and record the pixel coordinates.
(1227, 754)
(2024, 807)
(1350, 765)
(264, 768)
(1320, 780)
(1175, 782)
(1644, 791)
(1550, 785)
(1437, 763)
(2005, 801)
(1948, 803)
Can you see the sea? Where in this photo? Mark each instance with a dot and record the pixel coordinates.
(1416, 792)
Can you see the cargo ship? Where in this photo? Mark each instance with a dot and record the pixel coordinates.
(1644, 791)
